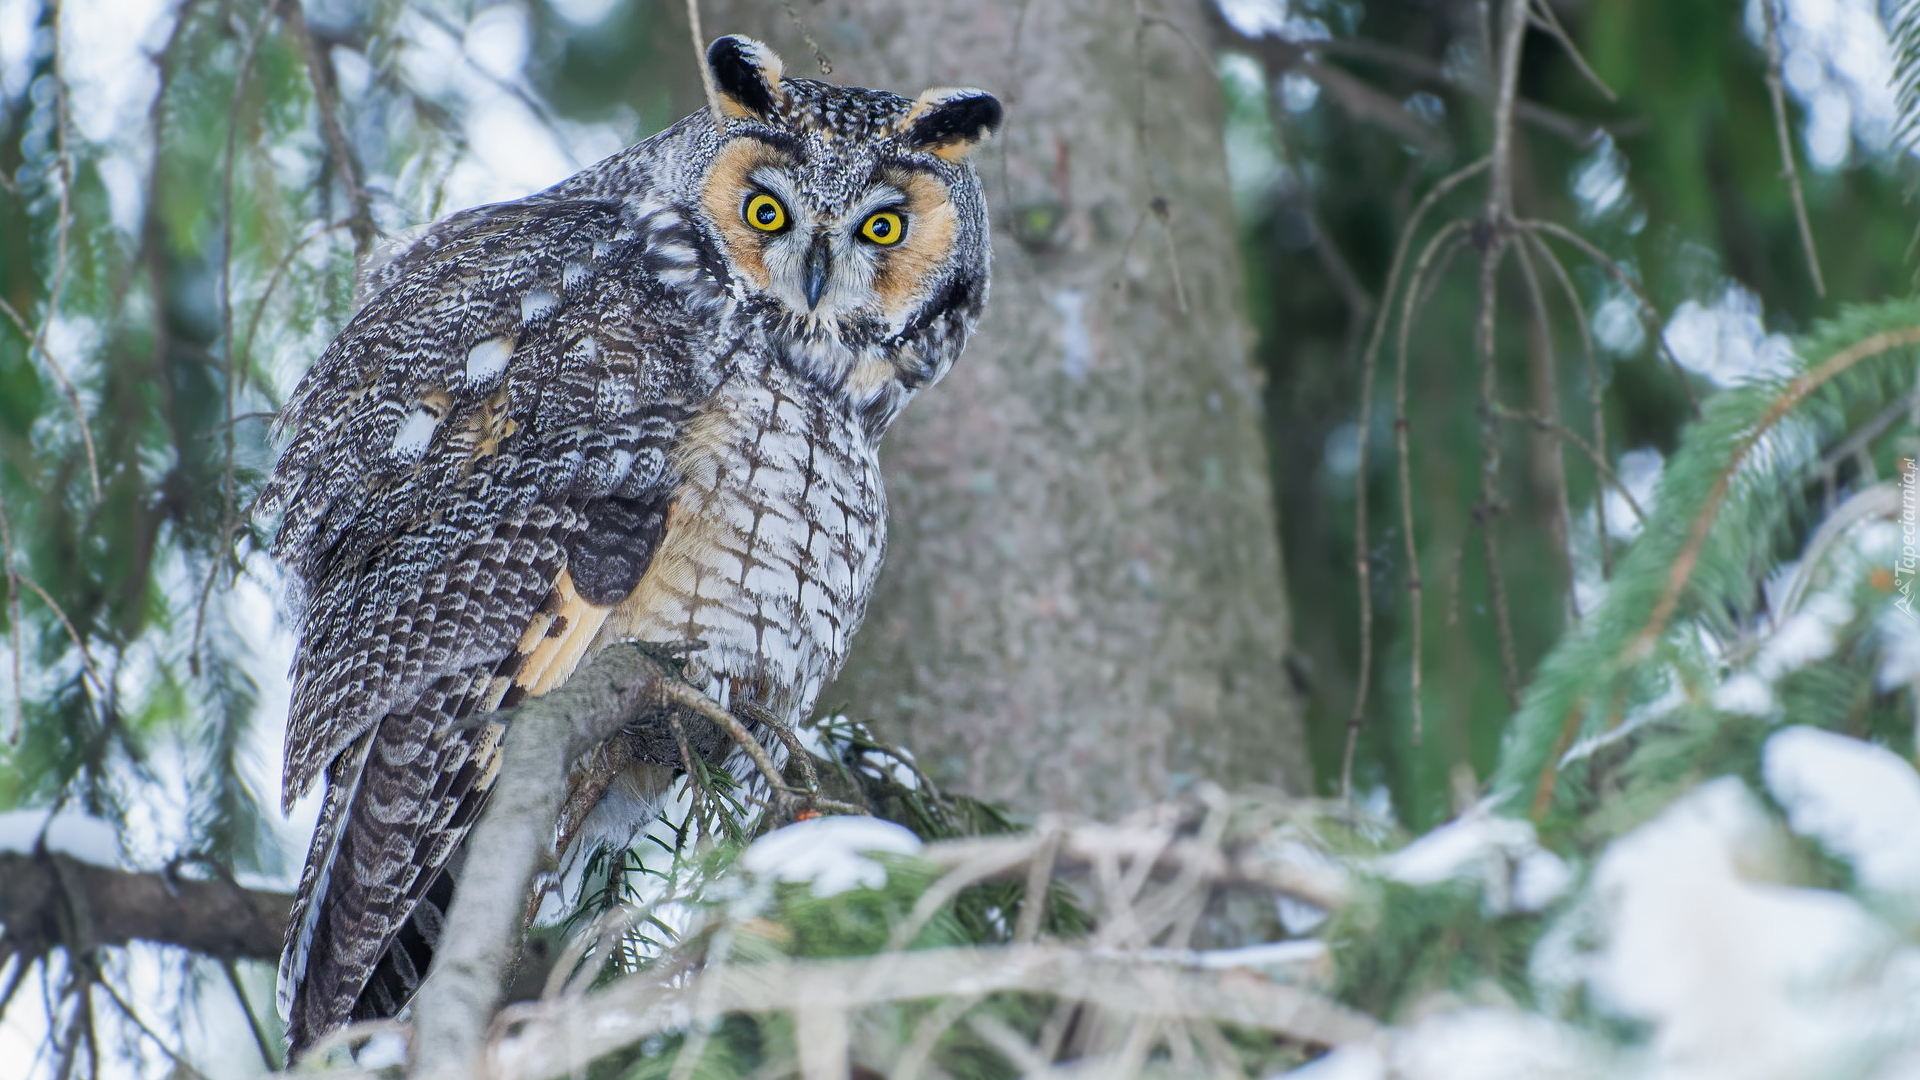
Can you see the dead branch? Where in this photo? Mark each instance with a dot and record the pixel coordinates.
(214, 918)
(1084, 846)
(552, 1041)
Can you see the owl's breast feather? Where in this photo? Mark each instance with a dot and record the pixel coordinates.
(772, 544)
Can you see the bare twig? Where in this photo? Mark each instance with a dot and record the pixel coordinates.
(632, 1009)
(182, 1067)
(1497, 226)
(269, 1054)
(695, 701)
(1369, 359)
(1543, 17)
(17, 648)
(1447, 239)
(1281, 55)
(1649, 314)
(245, 353)
(960, 877)
(73, 632)
(699, 805)
(1033, 901)
(1596, 396)
(700, 61)
(1777, 93)
(1601, 468)
(326, 102)
(926, 1034)
(806, 35)
(1550, 463)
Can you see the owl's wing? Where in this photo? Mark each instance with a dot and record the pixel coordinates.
(476, 472)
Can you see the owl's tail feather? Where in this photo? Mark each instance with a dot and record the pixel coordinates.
(380, 874)
(400, 970)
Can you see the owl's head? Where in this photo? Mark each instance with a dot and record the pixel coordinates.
(850, 217)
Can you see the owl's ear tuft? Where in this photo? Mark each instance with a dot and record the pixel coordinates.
(951, 123)
(747, 74)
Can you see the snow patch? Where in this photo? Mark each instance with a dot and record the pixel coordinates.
(1737, 977)
(1503, 853)
(88, 839)
(1858, 800)
(1076, 341)
(1473, 1044)
(829, 853)
(1724, 339)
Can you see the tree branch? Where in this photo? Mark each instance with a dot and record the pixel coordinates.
(556, 1038)
(326, 103)
(514, 837)
(213, 918)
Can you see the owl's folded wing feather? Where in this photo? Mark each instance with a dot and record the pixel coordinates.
(504, 399)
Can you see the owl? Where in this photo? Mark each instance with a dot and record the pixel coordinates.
(643, 404)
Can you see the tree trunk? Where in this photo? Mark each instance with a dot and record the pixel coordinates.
(1082, 606)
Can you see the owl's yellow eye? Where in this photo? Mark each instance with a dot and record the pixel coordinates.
(765, 213)
(884, 228)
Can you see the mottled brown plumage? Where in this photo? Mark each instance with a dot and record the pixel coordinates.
(623, 408)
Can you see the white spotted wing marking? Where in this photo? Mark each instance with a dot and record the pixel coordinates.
(488, 359)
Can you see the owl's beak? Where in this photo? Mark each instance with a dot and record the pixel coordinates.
(819, 265)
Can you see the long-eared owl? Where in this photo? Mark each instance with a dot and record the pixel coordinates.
(640, 405)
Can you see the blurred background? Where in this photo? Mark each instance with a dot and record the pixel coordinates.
(1338, 363)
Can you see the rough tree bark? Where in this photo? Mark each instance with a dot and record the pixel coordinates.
(1082, 606)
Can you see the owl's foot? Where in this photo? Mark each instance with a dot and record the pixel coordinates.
(691, 699)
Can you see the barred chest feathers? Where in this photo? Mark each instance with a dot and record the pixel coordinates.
(772, 543)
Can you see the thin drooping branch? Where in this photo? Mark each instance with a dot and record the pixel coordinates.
(1498, 227)
(1544, 18)
(1596, 393)
(16, 648)
(62, 250)
(1549, 464)
(1282, 55)
(1601, 468)
(326, 102)
(1649, 314)
(1369, 360)
(1446, 241)
(213, 918)
(1777, 92)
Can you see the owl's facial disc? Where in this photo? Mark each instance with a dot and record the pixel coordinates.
(872, 257)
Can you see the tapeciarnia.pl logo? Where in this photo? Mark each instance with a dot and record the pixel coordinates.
(1909, 561)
